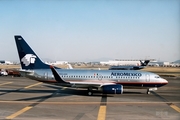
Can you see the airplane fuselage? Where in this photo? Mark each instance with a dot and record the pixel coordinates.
(127, 78)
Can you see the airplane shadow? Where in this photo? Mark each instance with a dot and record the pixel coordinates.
(59, 92)
(128, 92)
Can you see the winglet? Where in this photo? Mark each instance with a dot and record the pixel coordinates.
(57, 76)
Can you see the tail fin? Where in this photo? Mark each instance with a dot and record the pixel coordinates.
(27, 57)
(145, 63)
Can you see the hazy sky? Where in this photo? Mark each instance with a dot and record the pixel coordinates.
(90, 30)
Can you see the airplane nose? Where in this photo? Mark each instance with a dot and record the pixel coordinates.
(165, 81)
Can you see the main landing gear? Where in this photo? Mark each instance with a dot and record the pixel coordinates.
(148, 92)
(90, 91)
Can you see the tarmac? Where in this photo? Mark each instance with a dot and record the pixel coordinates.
(25, 99)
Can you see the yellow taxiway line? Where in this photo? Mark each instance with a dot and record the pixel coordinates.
(19, 112)
(5, 83)
(102, 113)
(24, 109)
(32, 85)
(175, 107)
(79, 103)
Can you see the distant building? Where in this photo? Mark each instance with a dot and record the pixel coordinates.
(163, 64)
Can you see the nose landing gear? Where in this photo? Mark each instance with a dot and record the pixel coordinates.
(150, 89)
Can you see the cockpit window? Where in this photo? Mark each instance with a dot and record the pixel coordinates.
(157, 77)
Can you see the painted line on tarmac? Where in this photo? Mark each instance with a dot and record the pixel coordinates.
(82, 103)
(5, 83)
(14, 115)
(19, 112)
(102, 113)
(32, 85)
(176, 108)
(2, 85)
(9, 91)
(102, 108)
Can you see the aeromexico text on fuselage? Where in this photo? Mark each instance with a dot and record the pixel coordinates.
(126, 74)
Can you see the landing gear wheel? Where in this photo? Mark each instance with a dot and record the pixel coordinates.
(148, 92)
(90, 93)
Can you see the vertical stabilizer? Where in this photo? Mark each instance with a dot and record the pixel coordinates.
(145, 63)
(27, 57)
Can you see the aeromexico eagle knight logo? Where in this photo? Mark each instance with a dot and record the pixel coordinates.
(28, 59)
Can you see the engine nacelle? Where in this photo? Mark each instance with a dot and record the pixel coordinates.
(112, 89)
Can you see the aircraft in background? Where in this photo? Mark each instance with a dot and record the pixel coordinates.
(106, 81)
(70, 66)
(124, 67)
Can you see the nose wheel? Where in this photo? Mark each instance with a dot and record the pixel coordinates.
(148, 91)
(151, 89)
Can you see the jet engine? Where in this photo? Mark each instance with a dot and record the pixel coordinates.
(112, 89)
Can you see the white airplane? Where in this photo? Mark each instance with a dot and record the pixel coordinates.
(127, 62)
(130, 67)
(106, 81)
(69, 66)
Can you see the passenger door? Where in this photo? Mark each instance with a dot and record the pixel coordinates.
(99, 77)
(147, 78)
